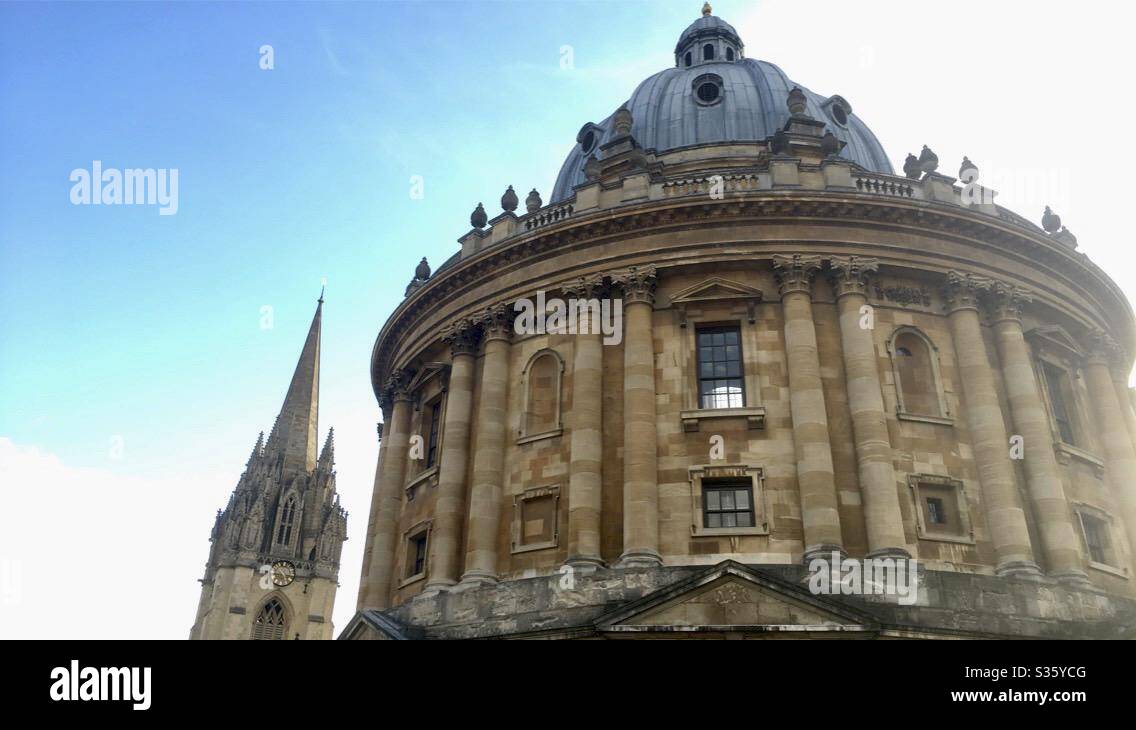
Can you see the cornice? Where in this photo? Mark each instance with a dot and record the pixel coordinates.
(792, 206)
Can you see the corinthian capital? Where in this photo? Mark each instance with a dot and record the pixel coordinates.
(1103, 349)
(462, 337)
(396, 388)
(585, 287)
(850, 273)
(496, 322)
(1006, 301)
(963, 290)
(796, 272)
(638, 283)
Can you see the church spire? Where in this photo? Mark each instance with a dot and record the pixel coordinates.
(327, 455)
(294, 434)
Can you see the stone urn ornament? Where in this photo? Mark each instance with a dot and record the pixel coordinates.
(797, 102)
(967, 167)
(509, 200)
(1050, 221)
(622, 121)
(911, 167)
(478, 218)
(928, 160)
(422, 271)
(533, 201)
(829, 144)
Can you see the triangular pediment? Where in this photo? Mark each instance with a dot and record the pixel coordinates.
(732, 598)
(426, 372)
(1053, 338)
(376, 626)
(716, 289)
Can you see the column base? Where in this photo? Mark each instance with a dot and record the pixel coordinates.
(1072, 578)
(639, 559)
(823, 551)
(1026, 569)
(476, 579)
(889, 552)
(434, 587)
(584, 564)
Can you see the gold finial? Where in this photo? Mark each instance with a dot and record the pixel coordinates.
(706, 9)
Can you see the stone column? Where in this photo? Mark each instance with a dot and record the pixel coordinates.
(1120, 459)
(1006, 520)
(585, 468)
(640, 472)
(444, 558)
(489, 454)
(815, 476)
(882, 513)
(382, 529)
(1058, 538)
(1120, 383)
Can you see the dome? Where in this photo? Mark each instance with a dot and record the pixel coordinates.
(715, 95)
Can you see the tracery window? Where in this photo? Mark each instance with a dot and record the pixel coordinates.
(270, 622)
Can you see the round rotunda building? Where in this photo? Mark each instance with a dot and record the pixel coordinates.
(735, 344)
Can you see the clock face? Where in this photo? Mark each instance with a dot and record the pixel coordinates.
(283, 573)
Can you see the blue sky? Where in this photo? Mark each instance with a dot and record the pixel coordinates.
(120, 326)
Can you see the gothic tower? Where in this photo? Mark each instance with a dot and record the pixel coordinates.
(274, 556)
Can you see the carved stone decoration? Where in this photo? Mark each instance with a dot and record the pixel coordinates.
(928, 160)
(962, 290)
(1103, 348)
(496, 322)
(585, 287)
(797, 102)
(379, 429)
(622, 121)
(462, 337)
(509, 200)
(478, 218)
(397, 386)
(422, 271)
(966, 166)
(1050, 221)
(850, 273)
(796, 272)
(779, 144)
(903, 294)
(533, 201)
(592, 168)
(1006, 300)
(911, 167)
(830, 145)
(637, 283)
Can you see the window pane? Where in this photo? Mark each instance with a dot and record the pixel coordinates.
(745, 519)
(742, 497)
(714, 519)
(727, 500)
(729, 519)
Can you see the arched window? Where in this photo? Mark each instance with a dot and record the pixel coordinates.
(915, 366)
(688, 59)
(708, 52)
(287, 518)
(729, 54)
(270, 622)
(542, 394)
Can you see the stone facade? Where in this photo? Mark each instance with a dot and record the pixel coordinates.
(895, 344)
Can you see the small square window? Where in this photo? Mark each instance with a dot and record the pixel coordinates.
(942, 508)
(936, 511)
(1097, 539)
(727, 503)
(535, 519)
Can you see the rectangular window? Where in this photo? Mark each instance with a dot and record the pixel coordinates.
(416, 554)
(721, 383)
(1096, 539)
(432, 435)
(936, 511)
(1057, 385)
(727, 503)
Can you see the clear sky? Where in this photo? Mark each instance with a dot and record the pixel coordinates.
(135, 371)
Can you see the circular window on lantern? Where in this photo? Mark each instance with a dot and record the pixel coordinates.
(588, 137)
(838, 109)
(708, 89)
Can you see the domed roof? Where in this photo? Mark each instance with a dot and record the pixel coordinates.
(678, 107)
